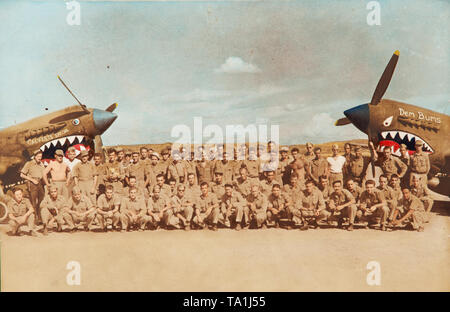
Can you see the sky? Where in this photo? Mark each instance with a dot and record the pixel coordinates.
(295, 64)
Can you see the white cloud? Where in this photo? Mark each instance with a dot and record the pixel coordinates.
(235, 65)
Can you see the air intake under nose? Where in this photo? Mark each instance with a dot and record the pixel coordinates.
(359, 116)
(102, 120)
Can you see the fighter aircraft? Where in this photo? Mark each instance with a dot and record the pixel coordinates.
(77, 126)
(389, 123)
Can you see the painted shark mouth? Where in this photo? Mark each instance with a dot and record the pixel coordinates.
(393, 139)
(79, 142)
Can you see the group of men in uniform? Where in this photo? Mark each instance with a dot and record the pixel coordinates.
(139, 190)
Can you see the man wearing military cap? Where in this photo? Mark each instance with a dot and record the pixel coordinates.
(33, 172)
(419, 164)
(390, 164)
(85, 176)
(357, 166)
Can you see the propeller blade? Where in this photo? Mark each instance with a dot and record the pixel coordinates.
(342, 122)
(385, 79)
(82, 105)
(371, 153)
(112, 107)
(98, 144)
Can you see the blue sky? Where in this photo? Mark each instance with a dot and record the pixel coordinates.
(298, 64)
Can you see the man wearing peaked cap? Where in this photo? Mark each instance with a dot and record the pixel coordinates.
(419, 164)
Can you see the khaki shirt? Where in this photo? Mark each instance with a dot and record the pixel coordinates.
(326, 192)
(48, 203)
(108, 205)
(393, 165)
(234, 200)
(140, 170)
(84, 171)
(356, 167)
(266, 186)
(157, 205)
(243, 187)
(192, 191)
(217, 189)
(343, 198)
(356, 193)
(259, 202)
(281, 202)
(19, 209)
(33, 169)
(101, 172)
(420, 191)
(204, 171)
(226, 168)
(294, 192)
(177, 171)
(413, 203)
(253, 167)
(313, 201)
(178, 204)
(368, 200)
(317, 168)
(420, 163)
(114, 172)
(388, 193)
(164, 190)
(204, 203)
(160, 168)
(137, 205)
(83, 205)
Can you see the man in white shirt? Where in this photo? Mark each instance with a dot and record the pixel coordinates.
(335, 164)
(71, 161)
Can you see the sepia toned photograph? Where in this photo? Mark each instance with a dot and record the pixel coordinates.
(224, 146)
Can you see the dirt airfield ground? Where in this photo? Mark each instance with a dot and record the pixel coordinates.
(227, 260)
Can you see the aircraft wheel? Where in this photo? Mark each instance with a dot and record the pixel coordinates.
(3, 211)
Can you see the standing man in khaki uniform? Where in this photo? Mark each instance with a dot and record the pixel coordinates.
(21, 212)
(390, 164)
(233, 208)
(312, 206)
(253, 164)
(80, 209)
(410, 209)
(176, 169)
(243, 184)
(309, 154)
(406, 159)
(204, 170)
(115, 175)
(420, 164)
(357, 166)
(279, 207)
(348, 158)
(33, 172)
(60, 174)
(53, 208)
(100, 172)
(85, 176)
(318, 166)
(132, 211)
(257, 204)
(283, 170)
(373, 206)
(342, 205)
(108, 205)
(140, 169)
(226, 167)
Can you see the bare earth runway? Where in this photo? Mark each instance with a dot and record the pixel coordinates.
(249, 260)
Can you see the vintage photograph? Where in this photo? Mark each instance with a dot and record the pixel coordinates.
(224, 146)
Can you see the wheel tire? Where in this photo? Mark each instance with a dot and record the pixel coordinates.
(3, 211)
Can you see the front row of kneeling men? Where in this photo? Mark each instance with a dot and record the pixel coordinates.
(289, 206)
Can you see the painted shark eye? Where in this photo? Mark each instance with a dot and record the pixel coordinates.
(76, 122)
(387, 122)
